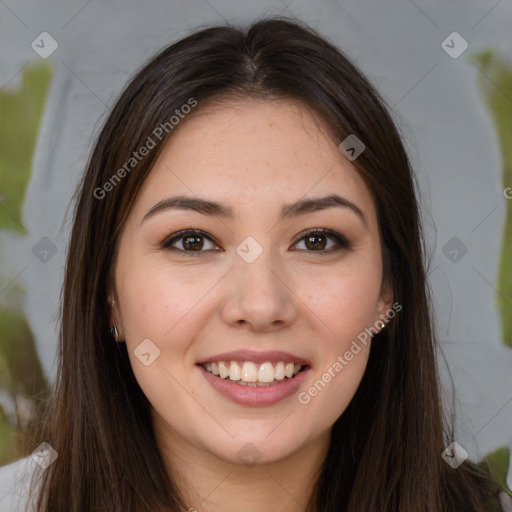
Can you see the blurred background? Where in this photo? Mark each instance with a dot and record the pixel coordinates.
(445, 70)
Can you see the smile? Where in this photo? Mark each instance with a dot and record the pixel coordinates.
(248, 373)
(254, 392)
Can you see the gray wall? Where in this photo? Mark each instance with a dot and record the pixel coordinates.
(437, 104)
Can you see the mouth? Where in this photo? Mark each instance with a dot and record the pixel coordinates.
(254, 378)
(252, 374)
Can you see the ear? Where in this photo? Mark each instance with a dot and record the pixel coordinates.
(110, 305)
(385, 302)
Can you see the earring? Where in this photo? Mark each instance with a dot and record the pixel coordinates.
(113, 330)
(382, 325)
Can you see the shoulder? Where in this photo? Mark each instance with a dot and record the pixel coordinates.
(15, 479)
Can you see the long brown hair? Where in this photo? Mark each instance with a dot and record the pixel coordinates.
(385, 451)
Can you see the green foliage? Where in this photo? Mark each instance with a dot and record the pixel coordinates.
(496, 83)
(21, 113)
(22, 382)
(498, 462)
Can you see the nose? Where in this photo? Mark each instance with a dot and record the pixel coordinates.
(258, 295)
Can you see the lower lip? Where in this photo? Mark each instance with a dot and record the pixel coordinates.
(255, 395)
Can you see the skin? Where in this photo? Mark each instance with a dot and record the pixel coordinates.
(254, 157)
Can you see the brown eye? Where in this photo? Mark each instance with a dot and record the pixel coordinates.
(315, 240)
(188, 241)
(193, 243)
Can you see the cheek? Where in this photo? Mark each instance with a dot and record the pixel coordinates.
(346, 305)
(346, 301)
(158, 306)
(155, 299)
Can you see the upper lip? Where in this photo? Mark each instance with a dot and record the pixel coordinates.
(272, 356)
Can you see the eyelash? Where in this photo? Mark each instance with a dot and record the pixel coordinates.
(341, 241)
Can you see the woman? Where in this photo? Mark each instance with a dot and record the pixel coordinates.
(247, 231)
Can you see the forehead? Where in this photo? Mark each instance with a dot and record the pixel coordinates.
(253, 129)
(247, 152)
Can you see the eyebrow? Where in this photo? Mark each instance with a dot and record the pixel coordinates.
(288, 211)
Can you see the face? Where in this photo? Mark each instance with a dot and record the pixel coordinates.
(257, 284)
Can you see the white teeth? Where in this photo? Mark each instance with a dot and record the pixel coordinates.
(266, 372)
(279, 371)
(223, 370)
(248, 373)
(234, 371)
